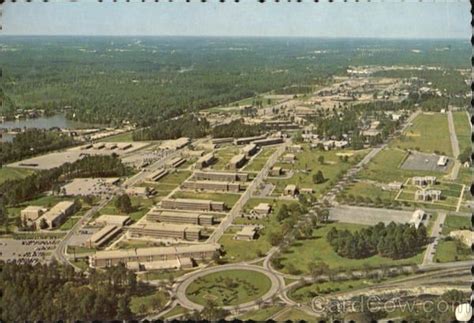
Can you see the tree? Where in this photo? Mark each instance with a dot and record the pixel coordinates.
(123, 203)
(275, 237)
(318, 178)
(43, 224)
(321, 159)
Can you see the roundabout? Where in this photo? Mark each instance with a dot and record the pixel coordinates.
(230, 286)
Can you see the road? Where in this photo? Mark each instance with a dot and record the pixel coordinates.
(454, 145)
(60, 252)
(251, 188)
(435, 236)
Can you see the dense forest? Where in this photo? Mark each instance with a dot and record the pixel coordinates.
(20, 190)
(147, 79)
(393, 241)
(186, 126)
(53, 292)
(236, 129)
(33, 142)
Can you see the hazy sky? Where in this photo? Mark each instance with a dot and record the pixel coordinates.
(390, 19)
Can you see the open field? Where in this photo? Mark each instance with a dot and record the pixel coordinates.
(224, 155)
(230, 287)
(148, 303)
(385, 167)
(11, 173)
(367, 190)
(307, 165)
(429, 133)
(449, 196)
(140, 207)
(448, 251)
(295, 315)
(261, 314)
(462, 127)
(123, 137)
(177, 310)
(455, 222)
(257, 163)
(168, 183)
(228, 198)
(302, 252)
(238, 250)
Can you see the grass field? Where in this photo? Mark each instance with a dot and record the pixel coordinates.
(295, 315)
(177, 310)
(449, 196)
(223, 156)
(429, 133)
(448, 251)
(140, 206)
(148, 303)
(10, 173)
(230, 287)
(456, 222)
(257, 163)
(462, 127)
(79, 249)
(318, 249)
(384, 167)
(238, 250)
(123, 137)
(308, 292)
(307, 165)
(227, 198)
(370, 190)
(261, 314)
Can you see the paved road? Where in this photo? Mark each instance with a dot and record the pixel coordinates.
(184, 301)
(454, 145)
(435, 236)
(60, 251)
(251, 188)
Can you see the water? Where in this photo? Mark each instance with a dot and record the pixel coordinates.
(58, 120)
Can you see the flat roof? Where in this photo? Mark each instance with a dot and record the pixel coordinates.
(262, 206)
(237, 158)
(247, 230)
(102, 232)
(167, 226)
(155, 251)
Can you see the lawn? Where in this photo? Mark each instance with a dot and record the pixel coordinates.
(140, 207)
(165, 274)
(11, 173)
(385, 167)
(122, 137)
(168, 183)
(307, 165)
(152, 303)
(239, 250)
(306, 293)
(79, 249)
(228, 198)
(261, 314)
(70, 222)
(367, 189)
(230, 287)
(429, 133)
(456, 222)
(302, 252)
(462, 127)
(295, 315)
(224, 155)
(449, 196)
(257, 163)
(177, 310)
(452, 250)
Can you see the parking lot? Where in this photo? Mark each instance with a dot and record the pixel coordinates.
(27, 251)
(425, 162)
(368, 216)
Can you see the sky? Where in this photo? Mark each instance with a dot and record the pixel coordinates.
(375, 19)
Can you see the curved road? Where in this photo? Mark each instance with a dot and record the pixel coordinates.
(276, 285)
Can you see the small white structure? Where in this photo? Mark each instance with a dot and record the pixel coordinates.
(262, 209)
(248, 233)
(417, 218)
(442, 161)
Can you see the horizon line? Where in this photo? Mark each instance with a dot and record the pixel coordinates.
(241, 36)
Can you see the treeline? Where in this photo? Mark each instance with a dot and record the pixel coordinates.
(33, 142)
(52, 293)
(187, 126)
(24, 189)
(236, 129)
(395, 241)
